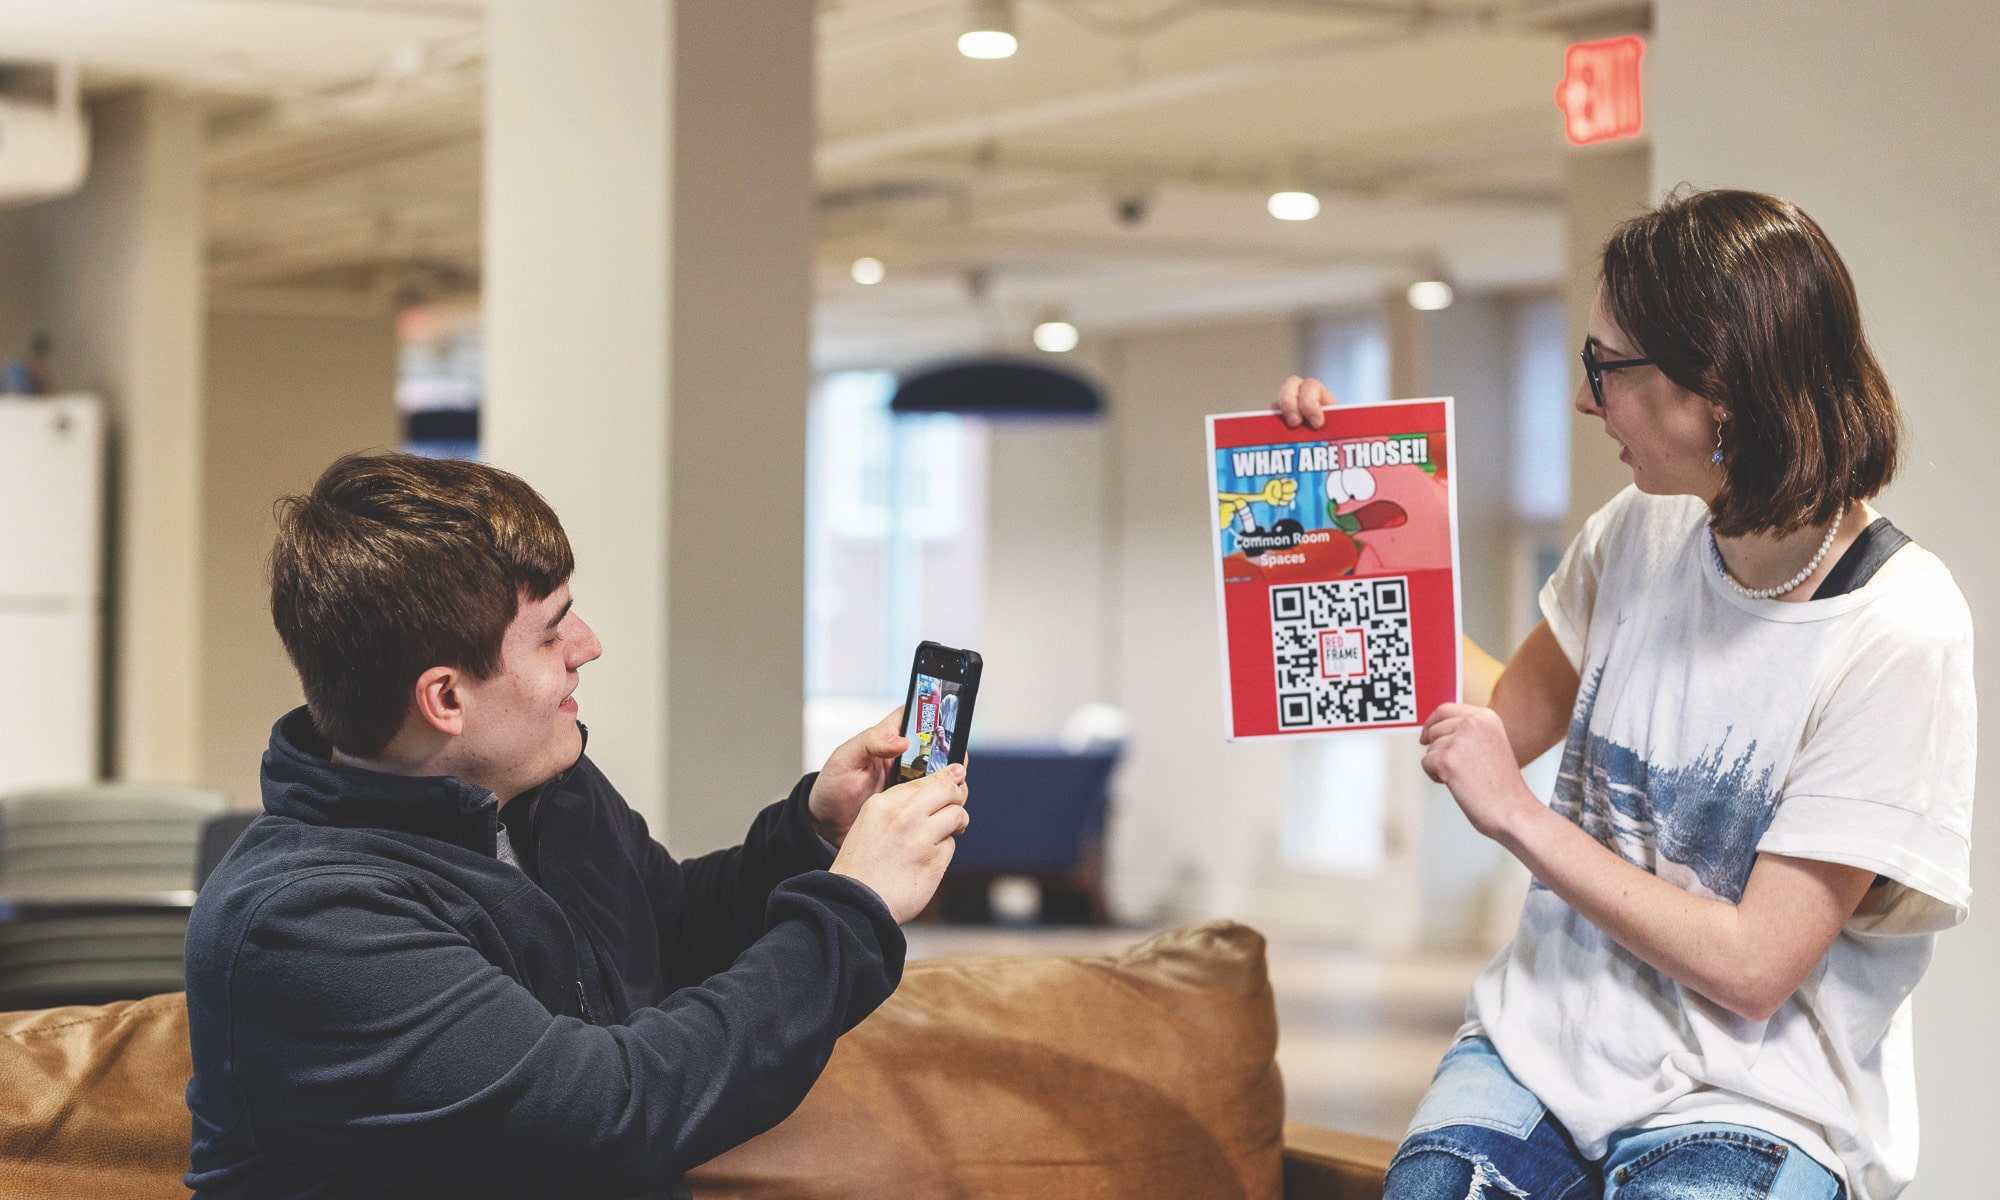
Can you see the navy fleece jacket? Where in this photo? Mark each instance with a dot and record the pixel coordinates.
(379, 1005)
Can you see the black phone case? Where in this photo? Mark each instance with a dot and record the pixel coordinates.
(968, 693)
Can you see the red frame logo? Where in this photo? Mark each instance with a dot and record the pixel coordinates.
(1346, 647)
(1600, 90)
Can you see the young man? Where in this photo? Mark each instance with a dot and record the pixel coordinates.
(448, 958)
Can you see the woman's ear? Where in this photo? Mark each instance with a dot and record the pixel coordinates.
(438, 703)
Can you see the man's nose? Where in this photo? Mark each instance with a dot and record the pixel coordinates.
(588, 648)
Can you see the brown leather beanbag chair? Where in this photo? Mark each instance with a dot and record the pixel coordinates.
(92, 1100)
(1148, 1074)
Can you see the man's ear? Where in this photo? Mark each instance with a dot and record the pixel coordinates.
(438, 703)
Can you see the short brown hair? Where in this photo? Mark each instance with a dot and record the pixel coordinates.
(1740, 298)
(394, 564)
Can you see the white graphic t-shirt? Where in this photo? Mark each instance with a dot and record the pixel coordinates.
(1710, 728)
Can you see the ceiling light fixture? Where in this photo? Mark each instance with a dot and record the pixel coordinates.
(1430, 295)
(868, 271)
(989, 30)
(1293, 206)
(1056, 337)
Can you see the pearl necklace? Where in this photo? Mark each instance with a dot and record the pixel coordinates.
(1722, 568)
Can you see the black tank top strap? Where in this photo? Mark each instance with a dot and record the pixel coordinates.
(1863, 559)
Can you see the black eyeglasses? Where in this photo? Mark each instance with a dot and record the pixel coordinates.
(1594, 369)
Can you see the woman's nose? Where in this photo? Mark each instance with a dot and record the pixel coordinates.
(1584, 402)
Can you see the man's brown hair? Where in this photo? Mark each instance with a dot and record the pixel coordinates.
(1740, 298)
(394, 564)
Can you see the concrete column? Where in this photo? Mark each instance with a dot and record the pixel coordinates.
(120, 268)
(1604, 185)
(1878, 120)
(647, 304)
(1409, 345)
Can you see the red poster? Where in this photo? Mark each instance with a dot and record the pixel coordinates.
(1336, 553)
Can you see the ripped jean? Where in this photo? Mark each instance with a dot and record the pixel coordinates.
(1521, 1152)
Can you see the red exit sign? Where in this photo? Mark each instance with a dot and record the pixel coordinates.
(1599, 92)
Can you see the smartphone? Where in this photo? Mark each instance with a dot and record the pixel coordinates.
(937, 710)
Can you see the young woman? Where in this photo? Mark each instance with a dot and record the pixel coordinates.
(1764, 691)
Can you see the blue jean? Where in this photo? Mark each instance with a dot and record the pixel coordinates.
(1517, 1150)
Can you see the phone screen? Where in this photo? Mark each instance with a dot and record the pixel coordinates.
(929, 723)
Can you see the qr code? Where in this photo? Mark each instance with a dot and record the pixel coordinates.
(1342, 653)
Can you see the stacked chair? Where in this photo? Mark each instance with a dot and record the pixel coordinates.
(95, 884)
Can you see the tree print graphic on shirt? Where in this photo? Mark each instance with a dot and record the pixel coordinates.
(1701, 819)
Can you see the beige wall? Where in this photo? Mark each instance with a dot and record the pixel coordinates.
(1100, 588)
(119, 268)
(1603, 186)
(287, 393)
(1878, 120)
(1464, 351)
(213, 415)
(20, 316)
(1050, 556)
(1194, 809)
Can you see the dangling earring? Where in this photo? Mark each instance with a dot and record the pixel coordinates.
(1716, 458)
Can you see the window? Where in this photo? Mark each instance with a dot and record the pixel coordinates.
(895, 547)
(1540, 383)
(1350, 355)
(1542, 359)
(440, 374)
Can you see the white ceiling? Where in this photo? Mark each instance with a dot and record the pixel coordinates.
(346, 141)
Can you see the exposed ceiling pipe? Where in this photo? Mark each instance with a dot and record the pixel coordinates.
(1170, 14)
(933, 250)
(418, 77)
(1360, 166)
(848, 154)
(463, 10)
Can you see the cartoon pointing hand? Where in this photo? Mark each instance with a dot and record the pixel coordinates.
(1279, 493)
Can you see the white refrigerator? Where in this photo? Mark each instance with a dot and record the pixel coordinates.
(52, 463)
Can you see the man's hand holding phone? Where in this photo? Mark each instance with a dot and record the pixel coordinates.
(862, 766)
(901, 840)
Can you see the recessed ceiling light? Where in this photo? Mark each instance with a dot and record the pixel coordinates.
(1293, 206)
(987, 43)
(1430, 295)
(989, 31)
(1056, 337)
(868, 271)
